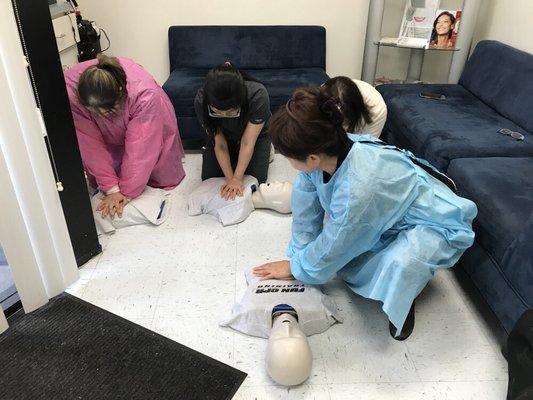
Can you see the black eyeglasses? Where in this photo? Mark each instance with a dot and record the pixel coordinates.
(513, 134)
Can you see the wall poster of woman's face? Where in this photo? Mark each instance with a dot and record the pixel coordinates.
(445, 28)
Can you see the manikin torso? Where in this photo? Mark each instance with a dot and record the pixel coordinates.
(206, 199)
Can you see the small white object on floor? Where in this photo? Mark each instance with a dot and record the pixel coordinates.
(253, 314)
(206, 199)
(151, 207)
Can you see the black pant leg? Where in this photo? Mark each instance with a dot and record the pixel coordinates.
(260, 161)
(211, 167)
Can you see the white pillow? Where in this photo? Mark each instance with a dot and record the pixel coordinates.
(253, 314)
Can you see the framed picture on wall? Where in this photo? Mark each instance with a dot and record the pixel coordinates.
(445, 29)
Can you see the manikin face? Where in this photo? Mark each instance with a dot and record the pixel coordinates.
(444, 25)
(289, 359)
(276, 195)
(286, 327)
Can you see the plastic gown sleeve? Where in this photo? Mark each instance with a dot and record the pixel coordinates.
(97, 160)
(142, 148)
(307, 214)
(361, 211)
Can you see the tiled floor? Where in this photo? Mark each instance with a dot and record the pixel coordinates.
(182, 278)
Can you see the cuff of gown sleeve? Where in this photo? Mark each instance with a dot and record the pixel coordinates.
(114, 189)
(297, 271)
(290, 251)
(300, 274)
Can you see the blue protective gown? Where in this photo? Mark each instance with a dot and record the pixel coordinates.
(389, 226)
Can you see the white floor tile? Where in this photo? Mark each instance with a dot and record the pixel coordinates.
(262, 238)
(187, 292)
(487, 390)
(182, 278)
(441, 296)
(77, 288)
(361, 350)
(144, 322)
(187, 249)
(250, 358)
(450, 347)
(488, 324)
(193, 168)
(303, 392)
(379, 391)
(104, 240)
(128, 293)
(200, 334)
(86, 272)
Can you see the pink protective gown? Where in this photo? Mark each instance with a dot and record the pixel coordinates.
(136, 147)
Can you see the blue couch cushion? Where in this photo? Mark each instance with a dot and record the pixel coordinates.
(280, 83)
(518, 263)
(462, 126)
(502, 188)
(247, 47)
(502, 77)
(181, 87)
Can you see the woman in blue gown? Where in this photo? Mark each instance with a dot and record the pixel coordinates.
(364, 210)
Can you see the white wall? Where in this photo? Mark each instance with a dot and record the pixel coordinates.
(138, 29)
(508, 21)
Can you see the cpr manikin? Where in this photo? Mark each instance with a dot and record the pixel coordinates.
(206, 199)
(285, 312)
(274, 195)
(288, 356)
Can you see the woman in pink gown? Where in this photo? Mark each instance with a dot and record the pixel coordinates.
(126, 129)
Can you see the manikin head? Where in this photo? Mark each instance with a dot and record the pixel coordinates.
(274, 195)
(289, 358)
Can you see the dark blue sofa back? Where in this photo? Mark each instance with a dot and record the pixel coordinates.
(502, 77)
(248, 47)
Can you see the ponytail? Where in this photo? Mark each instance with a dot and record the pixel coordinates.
(309, 123)
(103, 85)
(354, 109)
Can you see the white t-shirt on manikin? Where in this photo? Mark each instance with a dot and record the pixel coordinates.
(205, 199)
(376, 107)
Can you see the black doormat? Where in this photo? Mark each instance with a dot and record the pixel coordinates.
(70, 349)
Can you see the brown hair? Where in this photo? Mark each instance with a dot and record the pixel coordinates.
(310, 123)
(355, 111)
(103, 85)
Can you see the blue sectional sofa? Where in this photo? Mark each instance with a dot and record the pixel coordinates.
(281, 57)
(460, 137)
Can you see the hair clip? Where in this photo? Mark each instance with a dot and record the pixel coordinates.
(332, 107)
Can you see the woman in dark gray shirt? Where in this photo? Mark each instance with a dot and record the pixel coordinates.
(234, 110)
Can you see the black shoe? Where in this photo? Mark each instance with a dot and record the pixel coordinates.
(408, 326)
